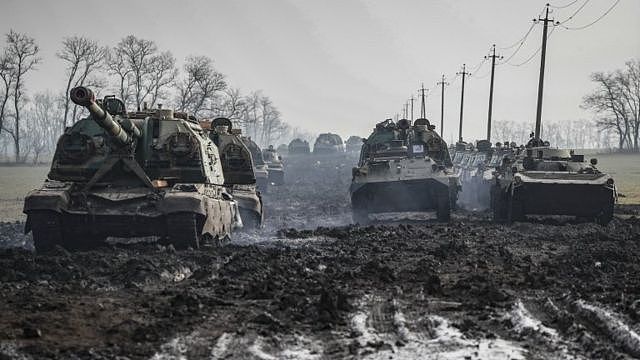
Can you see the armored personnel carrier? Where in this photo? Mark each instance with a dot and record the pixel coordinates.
(403, 167)
(299, 146)
(328, 144)
(548, 181)
(274, 165)
(259, 166)
(354, 144)
(119, 174)
(239, 176)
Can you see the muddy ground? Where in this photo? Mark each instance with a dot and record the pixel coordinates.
(312, 286)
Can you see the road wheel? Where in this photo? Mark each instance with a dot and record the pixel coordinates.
(443, 211)
(46, 229)
(182, 231)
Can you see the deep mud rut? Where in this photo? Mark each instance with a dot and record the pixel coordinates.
(312, 286)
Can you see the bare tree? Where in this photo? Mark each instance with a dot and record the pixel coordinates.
(7, 74)
(198, 90)
(41, 130)
(234, 106)
(617, 101)
(22, 52)
(82, 56)
(141, 70)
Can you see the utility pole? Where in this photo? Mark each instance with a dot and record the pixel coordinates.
(464, 73)
(442, 83)
(412, 100)
(493, 57)
(543, 55)
(423, 98)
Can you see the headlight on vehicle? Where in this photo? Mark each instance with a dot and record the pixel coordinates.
(610, 181)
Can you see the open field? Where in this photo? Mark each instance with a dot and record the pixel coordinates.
(625, 169)
(15, 183)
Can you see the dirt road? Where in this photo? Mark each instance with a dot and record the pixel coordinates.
(312, 286)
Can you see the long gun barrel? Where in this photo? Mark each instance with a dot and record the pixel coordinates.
(84, 97)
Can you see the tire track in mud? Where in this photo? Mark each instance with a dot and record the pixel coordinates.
(310, 285)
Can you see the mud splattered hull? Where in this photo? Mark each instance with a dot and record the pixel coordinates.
(276, 176)
(250, 206)
(398, 196)
(86, 219)
(573, 199)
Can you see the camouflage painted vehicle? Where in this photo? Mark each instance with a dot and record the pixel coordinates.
(259, 166)
(239, 176)
(354, 144)
(299, 146)
(118, 174)
(274, 165)
(403, 167)
(548, 181)
(282, 149)
(328, 144)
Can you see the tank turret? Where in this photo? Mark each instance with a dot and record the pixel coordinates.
(123, 134)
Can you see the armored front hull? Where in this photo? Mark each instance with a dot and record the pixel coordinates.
(590, 196)
(59, 214)
(419, 195)
(249, 204)
(575, 199)
(276, 176)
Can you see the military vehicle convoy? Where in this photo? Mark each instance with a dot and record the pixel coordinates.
(328, 143)
(274, 165)
(299, 146)
(237, 165)
(472, 170)
(403, 167)
(119, 174)
(547, 181)
(353, 144)
(259, 166)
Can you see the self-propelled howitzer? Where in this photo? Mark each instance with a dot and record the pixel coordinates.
(151, 173)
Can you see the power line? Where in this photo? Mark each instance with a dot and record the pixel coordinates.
(519, 42)
(532, 55)
(564, 6)
(524, 38)
(575, 13)
(593, 22)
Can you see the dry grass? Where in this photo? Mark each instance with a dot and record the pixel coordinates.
(17, 181)
(625, 169)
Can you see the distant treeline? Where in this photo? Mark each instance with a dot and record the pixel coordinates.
(136, 71)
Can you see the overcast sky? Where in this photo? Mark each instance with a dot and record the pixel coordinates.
(343, 65)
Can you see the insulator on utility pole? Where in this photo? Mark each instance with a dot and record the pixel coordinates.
(493, 57)
(442, 83)
(464, 73)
